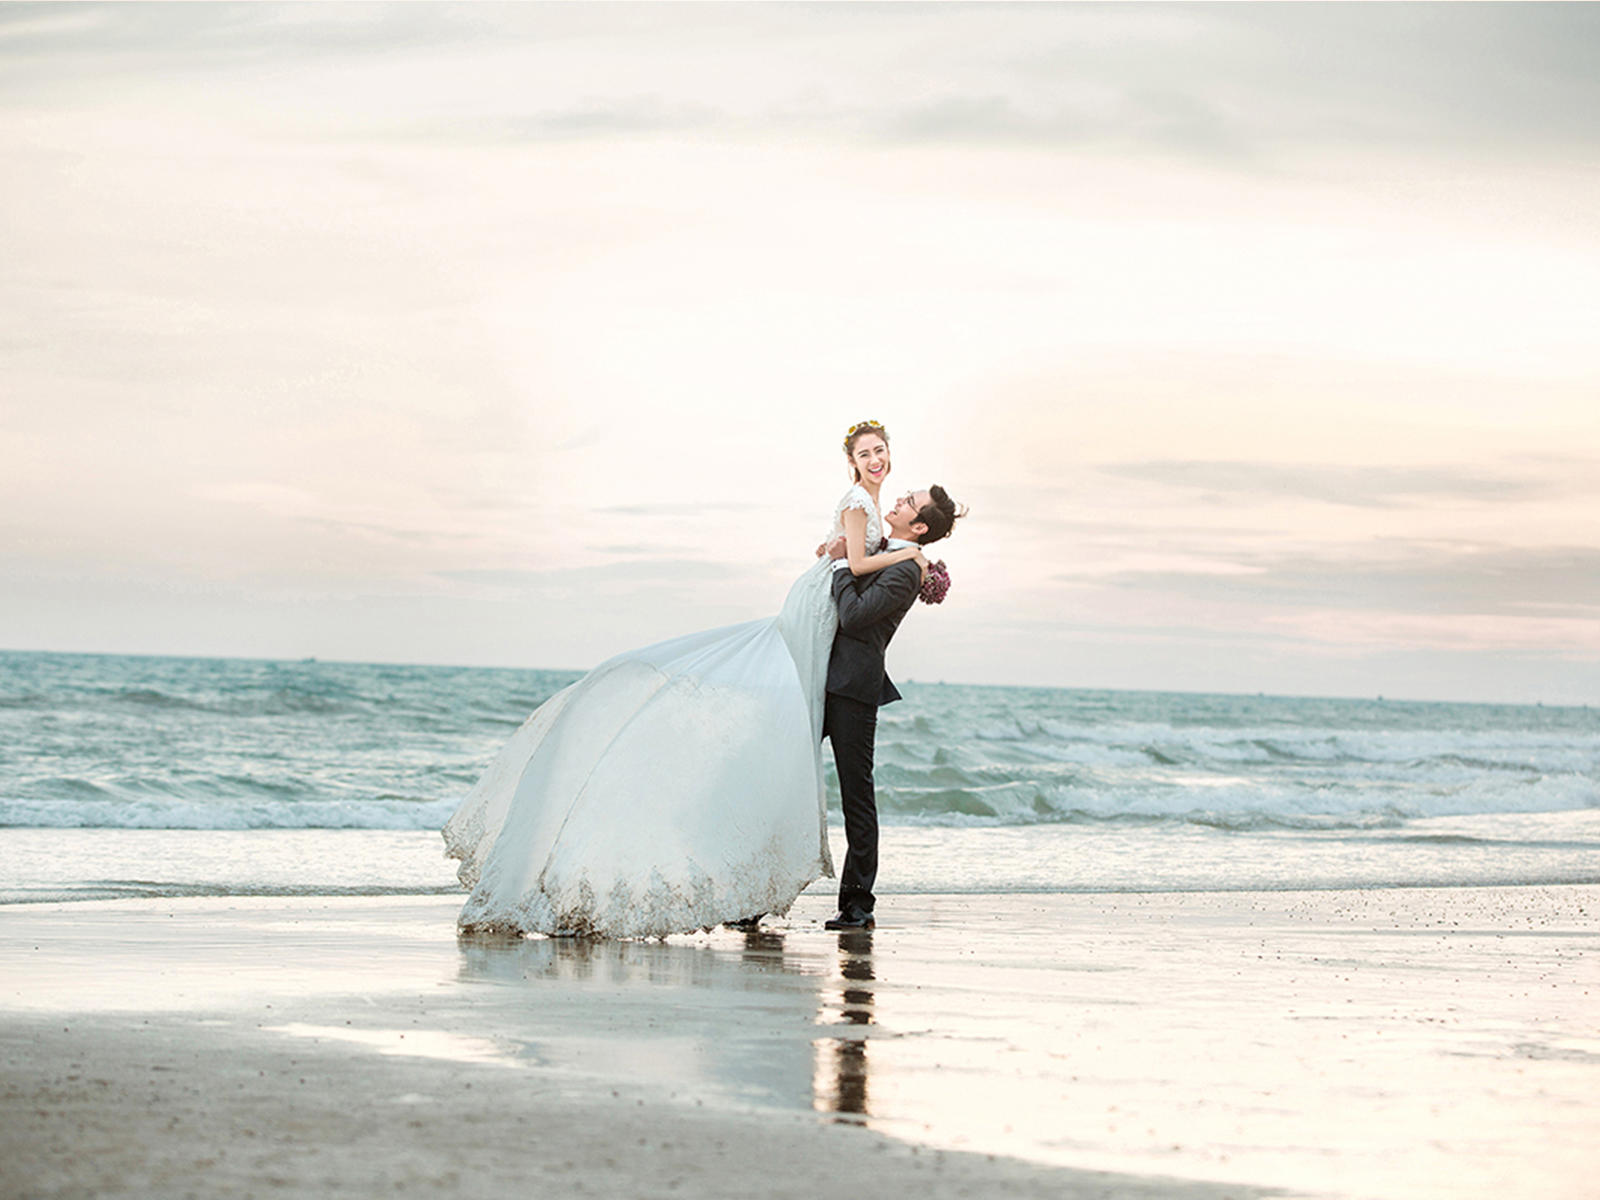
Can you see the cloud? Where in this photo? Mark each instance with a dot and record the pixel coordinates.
(1243, 84)
(1404, 577)
(1157, 118)
(637, 548)
(659, 571)
(676, 509)
(623, 116)
(599, 118)
(1350, 486)
(657, 510)
(130, 33)
(1278, 78)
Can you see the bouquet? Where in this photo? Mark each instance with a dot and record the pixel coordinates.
(936, 585)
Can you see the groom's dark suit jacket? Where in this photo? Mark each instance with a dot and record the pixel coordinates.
(870, 610)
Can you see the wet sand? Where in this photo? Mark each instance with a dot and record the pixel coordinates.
(1386, 1043)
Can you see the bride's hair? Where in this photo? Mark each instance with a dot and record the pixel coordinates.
(854, 434)
(939, 515)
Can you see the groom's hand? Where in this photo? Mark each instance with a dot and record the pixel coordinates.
(837, 548)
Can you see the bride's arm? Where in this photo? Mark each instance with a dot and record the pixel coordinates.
(855, 546)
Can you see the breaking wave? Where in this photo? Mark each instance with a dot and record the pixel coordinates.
(158, 743)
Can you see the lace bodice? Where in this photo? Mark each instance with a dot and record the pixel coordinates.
(858, 497)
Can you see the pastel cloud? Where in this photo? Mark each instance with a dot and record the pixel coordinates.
(376, 330)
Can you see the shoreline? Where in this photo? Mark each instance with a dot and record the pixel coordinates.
(1391, 1043)
(1091, 858)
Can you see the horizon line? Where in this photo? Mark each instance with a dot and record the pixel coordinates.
(1375, 698)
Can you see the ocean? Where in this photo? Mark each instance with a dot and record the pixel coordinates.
(130, 775)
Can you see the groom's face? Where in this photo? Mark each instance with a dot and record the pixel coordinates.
(902, 518)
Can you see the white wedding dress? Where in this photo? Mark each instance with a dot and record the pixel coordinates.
(668, 790)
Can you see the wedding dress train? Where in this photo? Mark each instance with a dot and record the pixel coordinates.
(670, 789)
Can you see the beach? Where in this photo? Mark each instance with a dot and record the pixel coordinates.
(1129, 944)
(432, 419)
(1386, 1042)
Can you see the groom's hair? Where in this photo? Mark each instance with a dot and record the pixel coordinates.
(939, 515)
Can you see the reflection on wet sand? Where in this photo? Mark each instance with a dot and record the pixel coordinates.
(506, 958)
(728, 1016)
(739, 1018)
(839, 1082)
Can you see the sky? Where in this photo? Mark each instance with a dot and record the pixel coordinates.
(1260, 340)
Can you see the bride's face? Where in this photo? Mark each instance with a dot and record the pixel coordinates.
(870, 457)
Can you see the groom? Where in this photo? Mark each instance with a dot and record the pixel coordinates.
(870, 610)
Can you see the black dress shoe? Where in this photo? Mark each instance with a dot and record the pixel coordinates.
(854, 919)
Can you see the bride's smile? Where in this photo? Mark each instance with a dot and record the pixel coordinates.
(870, 457)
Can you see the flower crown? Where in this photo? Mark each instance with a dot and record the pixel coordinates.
(862, 425)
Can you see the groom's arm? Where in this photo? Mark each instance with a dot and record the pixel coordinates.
(864, 600)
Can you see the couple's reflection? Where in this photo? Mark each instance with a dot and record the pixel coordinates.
(840, 1083)
(507, 957)
(738, 1017)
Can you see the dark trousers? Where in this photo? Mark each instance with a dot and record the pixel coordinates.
(852, 727)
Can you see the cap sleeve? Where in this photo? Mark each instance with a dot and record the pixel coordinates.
(857, 497)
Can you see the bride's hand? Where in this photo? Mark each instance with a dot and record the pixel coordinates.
(922, 561)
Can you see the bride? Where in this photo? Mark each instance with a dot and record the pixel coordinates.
(681, 785)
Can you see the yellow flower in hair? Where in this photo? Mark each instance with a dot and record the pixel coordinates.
(858, 427)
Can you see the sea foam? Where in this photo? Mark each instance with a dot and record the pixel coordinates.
(150, 743)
